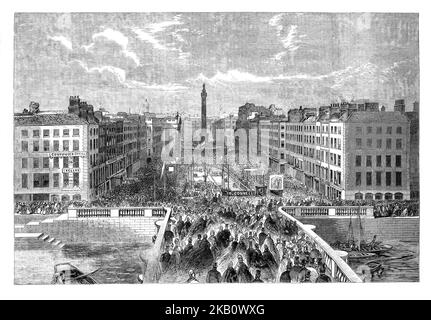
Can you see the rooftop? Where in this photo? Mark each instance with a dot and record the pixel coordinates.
(50, 119)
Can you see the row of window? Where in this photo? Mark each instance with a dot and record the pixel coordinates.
(379, 130)
(379, 196)
(378, 162)
(398, 143)
(378, 178)
(46, 146)
(38, 163)
(42, 180)
(46, 133)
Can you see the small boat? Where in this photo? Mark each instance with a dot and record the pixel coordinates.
(380, 249)
(359, 255)
(67, 273)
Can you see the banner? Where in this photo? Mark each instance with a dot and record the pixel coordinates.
(238, 193)
(276, 182)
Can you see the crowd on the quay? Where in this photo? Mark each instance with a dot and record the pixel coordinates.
(238, 240)
(40, 207)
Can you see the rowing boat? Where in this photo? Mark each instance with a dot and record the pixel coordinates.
(358, 255)
(67, 273)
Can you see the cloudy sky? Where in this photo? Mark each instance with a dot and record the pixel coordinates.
(288, 59)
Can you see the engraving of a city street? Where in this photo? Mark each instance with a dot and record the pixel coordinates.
(166, 147)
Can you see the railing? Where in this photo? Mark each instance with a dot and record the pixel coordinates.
(329, 211)
(340, 270)
(93, 213)
(125, 212)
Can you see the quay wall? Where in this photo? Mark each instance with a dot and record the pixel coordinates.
(100, 230)
(387, 229)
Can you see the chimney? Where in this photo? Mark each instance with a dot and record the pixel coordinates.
(383, 109)
(416, 106)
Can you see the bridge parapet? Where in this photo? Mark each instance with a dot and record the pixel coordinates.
(340, 270)
(74, 213)
(329, 211)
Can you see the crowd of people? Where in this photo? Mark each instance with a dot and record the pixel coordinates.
(234, 239)
(40, 207)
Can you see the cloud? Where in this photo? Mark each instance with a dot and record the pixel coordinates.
(118, 38)
(63, 40)
(153, 33)
(120, 76)
(118, 73)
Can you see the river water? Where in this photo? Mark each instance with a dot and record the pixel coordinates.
(121, 264)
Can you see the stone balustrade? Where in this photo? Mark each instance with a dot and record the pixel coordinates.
(327, 211)
(339, 269)
(75, 213)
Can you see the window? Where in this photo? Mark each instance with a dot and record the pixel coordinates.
(55, 178)
(388, 143)
(398, 161)
(399, 130)
(378, 161)
(24, 134)
(399, 144)
(368, 178)
(358, 178)
(369, 161)
(358, 161)
(368, 196)
(358, 130)
(76, 179)
(369, 130)
(379, 143)
(398, 179)
(388, 161)
(398, 196)
(24, 180)
(65, 132)
(65, 162)
(76, 145)
(76, 162)
(56, 145)
(379, 130)
(389, 130)
(56, 164)
(339, 160)
(388, 196)
(36, 163)
(35, 133)
(76, 197)
(45, 162)
(379, 196)
(65, 179)
(46, 145)
(358, 142)
(378, 178)
(24, 163)
(24, 146)
(76, 132)
(56, 132)
(359, 196)
(41, 180)
(369, 143)
(35, 146)
(46, 133)
(65, 145)
(388, 179)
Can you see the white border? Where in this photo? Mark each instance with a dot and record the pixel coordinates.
(181, 291)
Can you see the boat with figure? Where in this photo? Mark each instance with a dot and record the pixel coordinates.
(361, 249)
(67, 273)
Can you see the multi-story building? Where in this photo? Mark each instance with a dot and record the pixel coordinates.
(53, 157)
(349, 151)
(414, 151)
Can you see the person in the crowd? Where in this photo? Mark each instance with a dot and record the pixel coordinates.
(262, 237)
(257, 276)
(323, 277)
(242, 271)
(213, 275)
(285, 276)
(230, 275)
(165, 259)
(192, 277)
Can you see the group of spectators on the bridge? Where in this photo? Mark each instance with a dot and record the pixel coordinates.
(238, 240)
